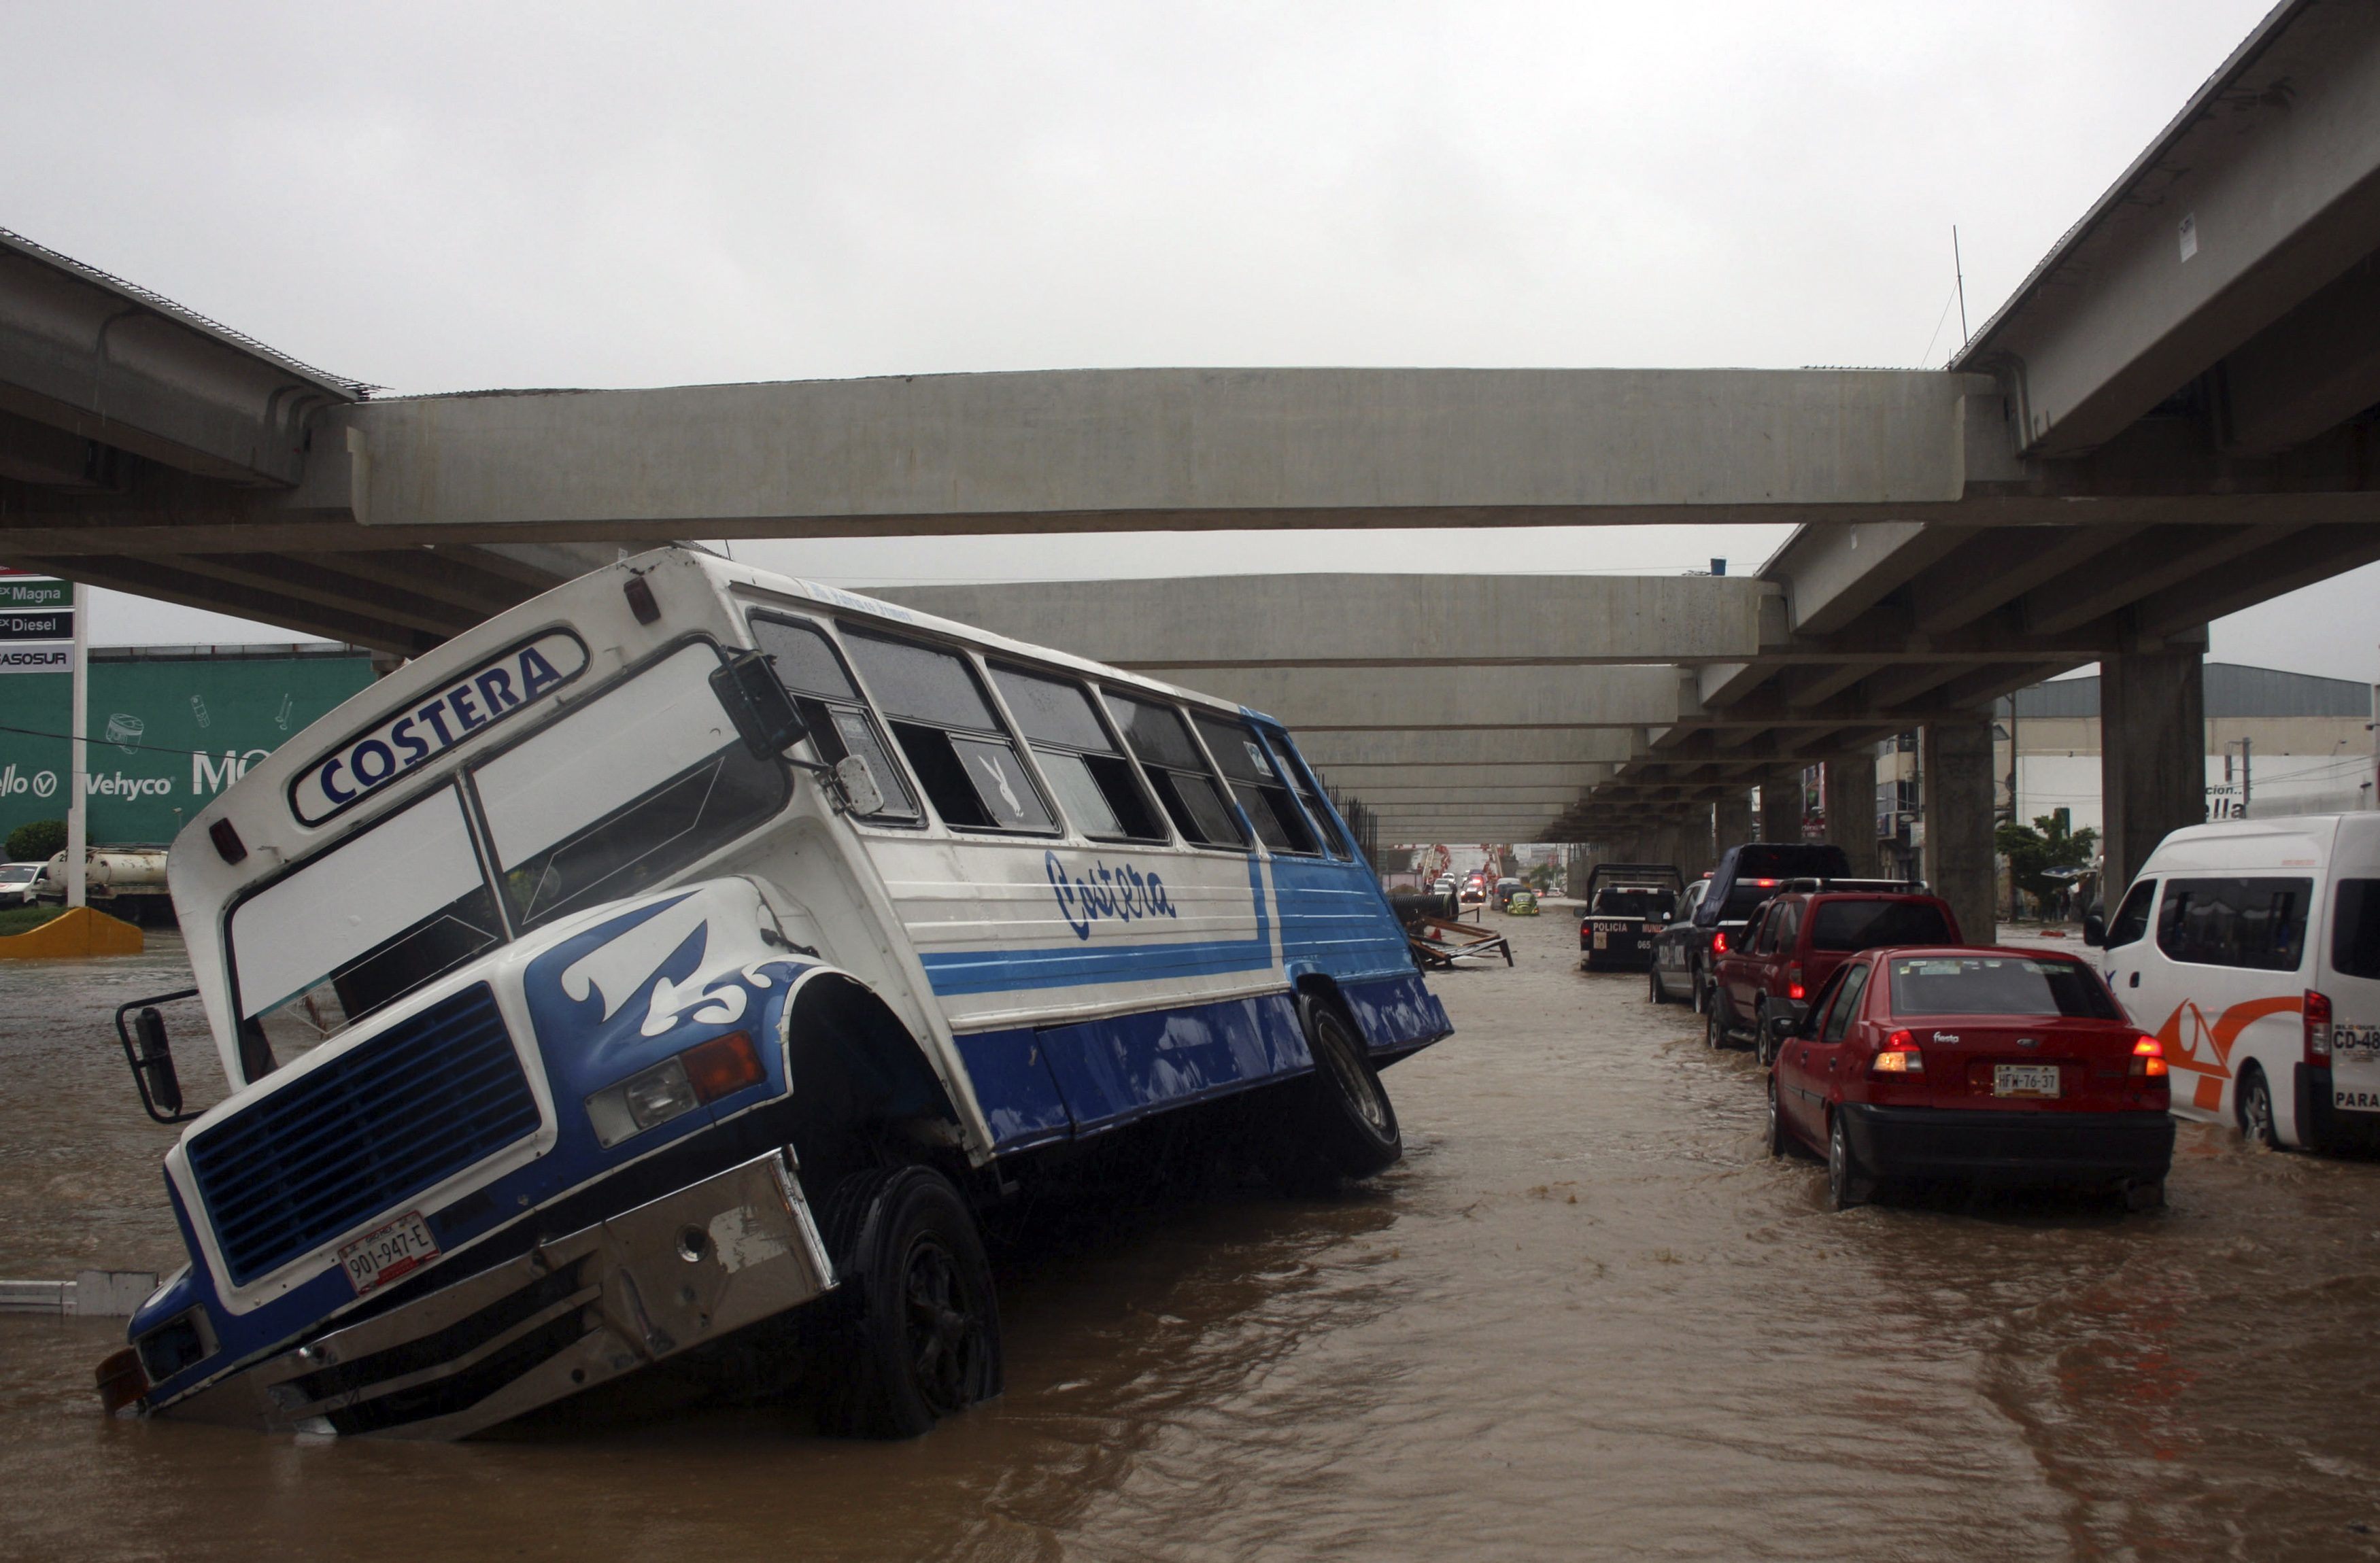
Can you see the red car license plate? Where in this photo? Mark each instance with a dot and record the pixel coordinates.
(2024, 1080)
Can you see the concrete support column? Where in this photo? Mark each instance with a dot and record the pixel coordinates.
(1780, 805)
(1957, 765)
(1851, 807)
(2152, 756)
(1731, 821)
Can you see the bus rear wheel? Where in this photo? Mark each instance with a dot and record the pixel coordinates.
(1340, 1123)
(919, 1336)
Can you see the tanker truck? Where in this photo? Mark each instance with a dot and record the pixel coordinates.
(126, 882)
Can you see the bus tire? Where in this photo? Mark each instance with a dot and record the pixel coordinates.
(919, 1322)
(1345, 1126)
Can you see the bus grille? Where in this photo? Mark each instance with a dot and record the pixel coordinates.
(400, 1112)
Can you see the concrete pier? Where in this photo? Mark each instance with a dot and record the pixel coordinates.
(2152, 759)
(1959, 818)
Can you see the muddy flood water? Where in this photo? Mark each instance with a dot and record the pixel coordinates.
(1586, 1317)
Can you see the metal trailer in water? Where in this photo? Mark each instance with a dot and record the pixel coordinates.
(692, 953)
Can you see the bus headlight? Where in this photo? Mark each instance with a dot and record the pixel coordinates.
(675, 1087)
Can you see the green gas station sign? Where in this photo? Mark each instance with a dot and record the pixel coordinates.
(167, 734)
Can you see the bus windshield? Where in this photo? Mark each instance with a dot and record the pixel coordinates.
(627, 789)
(373, 918)
(630, 787)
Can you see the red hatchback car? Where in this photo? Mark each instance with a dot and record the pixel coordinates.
(1988, 1064)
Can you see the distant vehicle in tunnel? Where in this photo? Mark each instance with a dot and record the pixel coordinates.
(1793, 944)
(2252, 947)
(1979, 1065)
(1747, 876)
(1505, 887)
(1628, 905)
(690, 945)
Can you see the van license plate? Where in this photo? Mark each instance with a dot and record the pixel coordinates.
(2024, 1080)
(391, 1253)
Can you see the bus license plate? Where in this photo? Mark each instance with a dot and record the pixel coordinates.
(391, 1253)
(2024, 1080)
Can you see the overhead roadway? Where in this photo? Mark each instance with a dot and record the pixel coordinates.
(2170, 422)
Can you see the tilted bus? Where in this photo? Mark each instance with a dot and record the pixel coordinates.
(692, 945)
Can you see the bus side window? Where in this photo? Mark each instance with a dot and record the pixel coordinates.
(1093, 780)
(1176, 771)
(1302, 782)
(1257, 782)
(962, 756)
(839, 720)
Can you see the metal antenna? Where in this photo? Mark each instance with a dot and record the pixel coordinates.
(1959, 269)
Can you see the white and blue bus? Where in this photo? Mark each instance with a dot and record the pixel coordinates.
(693, 952)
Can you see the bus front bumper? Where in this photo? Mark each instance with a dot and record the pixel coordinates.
(573, 1313)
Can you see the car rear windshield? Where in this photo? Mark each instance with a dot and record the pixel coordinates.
(1745, 899)
(1820, 860)
(1870, 924)
(1998, 984)
(1635, 902)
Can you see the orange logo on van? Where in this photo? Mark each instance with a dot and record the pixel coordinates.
(2207, 1050)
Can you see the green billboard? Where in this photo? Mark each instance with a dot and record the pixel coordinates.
(168, 731)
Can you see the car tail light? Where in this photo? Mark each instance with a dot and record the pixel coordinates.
(1718, 944)
(2148, 1056)
(1793, 988)
(1899, 1056)
(1767, 884)
(2317, 1027)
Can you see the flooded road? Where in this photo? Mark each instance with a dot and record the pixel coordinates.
(1585, 1317)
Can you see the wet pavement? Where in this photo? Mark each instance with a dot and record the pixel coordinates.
(1585, 1317)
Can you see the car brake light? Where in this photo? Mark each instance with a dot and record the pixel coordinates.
(1900, 1056)
(2317, 1027)
(1766, 884)
(1793, 982)
(2148, 1056)
(1718, 944)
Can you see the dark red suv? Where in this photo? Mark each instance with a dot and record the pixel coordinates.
(1793, 944)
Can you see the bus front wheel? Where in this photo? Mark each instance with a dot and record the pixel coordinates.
(919, 1336)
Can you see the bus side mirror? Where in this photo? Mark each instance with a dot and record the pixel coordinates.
(763, 713)
(2095, 929)
(857, 781)
(153, 1063)
(151, 1056)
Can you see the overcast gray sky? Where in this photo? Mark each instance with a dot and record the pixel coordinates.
(444, 197)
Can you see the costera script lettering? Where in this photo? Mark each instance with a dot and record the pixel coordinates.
(1105, 892)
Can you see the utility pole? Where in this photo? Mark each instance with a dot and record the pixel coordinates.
(77, 770)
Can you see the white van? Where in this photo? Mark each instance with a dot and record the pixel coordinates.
(2252, 949)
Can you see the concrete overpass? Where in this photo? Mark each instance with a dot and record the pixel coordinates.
(2170, 420)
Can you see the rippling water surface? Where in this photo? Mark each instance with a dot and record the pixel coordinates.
(1585, 1317)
